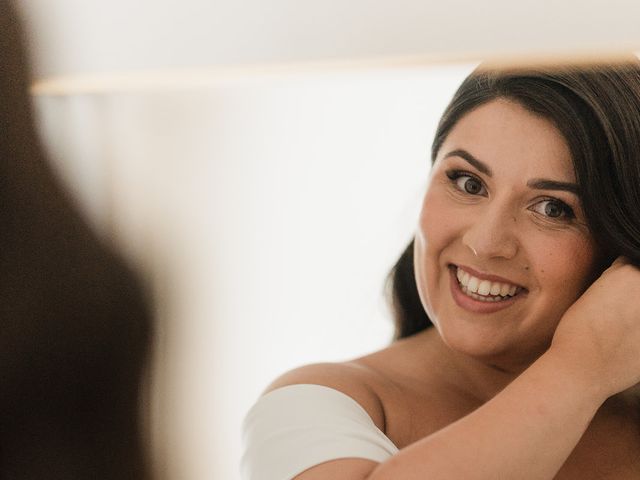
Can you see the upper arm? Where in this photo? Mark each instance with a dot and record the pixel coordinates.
(342, 469)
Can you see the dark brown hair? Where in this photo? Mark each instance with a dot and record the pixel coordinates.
(597, 110)
(75, 326)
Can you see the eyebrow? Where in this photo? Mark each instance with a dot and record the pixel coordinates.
(543, 184)
(536, 183)
(480, 166)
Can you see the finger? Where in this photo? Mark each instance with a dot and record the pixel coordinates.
(621, 260)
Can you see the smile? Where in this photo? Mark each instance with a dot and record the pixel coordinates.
(485, 290)
(481, 295)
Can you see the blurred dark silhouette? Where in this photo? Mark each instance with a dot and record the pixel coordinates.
(75, 326)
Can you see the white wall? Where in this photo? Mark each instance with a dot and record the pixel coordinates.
(267, 212)
(78, 36)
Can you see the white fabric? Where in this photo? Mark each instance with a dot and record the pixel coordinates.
(293, 428)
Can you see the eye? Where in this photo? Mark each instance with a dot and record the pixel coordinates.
(467, 183)
(554, 208)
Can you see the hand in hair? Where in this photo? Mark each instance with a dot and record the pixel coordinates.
(599, 335)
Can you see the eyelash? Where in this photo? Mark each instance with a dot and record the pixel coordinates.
(567, 212)
(455, 175)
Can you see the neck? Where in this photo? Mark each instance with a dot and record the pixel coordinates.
(479, 378)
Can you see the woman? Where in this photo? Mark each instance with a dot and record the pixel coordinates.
(522, 263)
(74, 320)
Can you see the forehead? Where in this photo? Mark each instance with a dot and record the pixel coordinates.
(512, 140)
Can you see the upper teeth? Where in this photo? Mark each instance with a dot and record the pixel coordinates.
(485, 287)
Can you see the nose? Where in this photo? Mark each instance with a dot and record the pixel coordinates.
(493, 234)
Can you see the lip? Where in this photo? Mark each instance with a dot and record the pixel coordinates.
(484, 276)
(477, 306)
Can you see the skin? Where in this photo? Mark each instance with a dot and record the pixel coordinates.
(526, 391)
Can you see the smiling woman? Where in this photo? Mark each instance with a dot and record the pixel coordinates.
(531, 371)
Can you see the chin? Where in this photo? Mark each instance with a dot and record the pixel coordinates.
(492, 348)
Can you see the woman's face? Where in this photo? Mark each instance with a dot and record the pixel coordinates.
(502, 249)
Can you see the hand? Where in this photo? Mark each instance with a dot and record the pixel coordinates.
(599, 335)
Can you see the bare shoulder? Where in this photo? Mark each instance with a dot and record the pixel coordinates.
(351, 378)
(378, 382)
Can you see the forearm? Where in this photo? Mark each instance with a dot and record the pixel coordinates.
(527, 431)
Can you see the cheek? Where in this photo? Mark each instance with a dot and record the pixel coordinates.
(436, 223)
(432, 232)
(436, 231)
(565, 267)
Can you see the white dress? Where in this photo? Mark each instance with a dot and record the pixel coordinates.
(296, 427)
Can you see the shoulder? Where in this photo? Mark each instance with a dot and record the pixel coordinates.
(353, 379)
(380, 382)
(317, 421)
